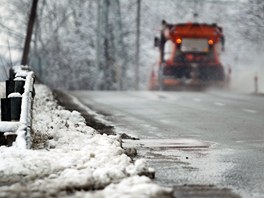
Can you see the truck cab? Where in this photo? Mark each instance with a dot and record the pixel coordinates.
(190, 55)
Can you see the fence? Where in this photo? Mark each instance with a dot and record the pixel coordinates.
(16, 108)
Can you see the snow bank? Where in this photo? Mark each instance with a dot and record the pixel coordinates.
(69, 156)
(135, 186)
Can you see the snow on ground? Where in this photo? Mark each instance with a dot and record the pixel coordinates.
(2, 93)
(70, 159)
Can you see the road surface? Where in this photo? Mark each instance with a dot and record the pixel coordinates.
(203, 144)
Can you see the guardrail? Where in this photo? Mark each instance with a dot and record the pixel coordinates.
(16, 108)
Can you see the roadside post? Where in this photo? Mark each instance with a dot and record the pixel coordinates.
(256, 83)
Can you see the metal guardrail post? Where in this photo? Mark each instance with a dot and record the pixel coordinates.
(20, 130)
(5, 109)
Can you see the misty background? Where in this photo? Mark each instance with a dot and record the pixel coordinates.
(92, 44)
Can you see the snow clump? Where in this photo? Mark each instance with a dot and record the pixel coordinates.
(70, 158)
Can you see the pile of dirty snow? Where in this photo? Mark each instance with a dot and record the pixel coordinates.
(71, 159)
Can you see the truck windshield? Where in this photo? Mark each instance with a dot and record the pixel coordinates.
(194, 45)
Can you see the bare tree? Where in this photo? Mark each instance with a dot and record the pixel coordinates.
(121, 57)
(111, 52)
(137, 45)
(102, 48)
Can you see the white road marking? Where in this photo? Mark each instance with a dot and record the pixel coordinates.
(166, 121)
(249, 110)
(219, 104)
(249, 141)
(197, 100)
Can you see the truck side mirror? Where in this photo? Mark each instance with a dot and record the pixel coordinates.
(156, 42)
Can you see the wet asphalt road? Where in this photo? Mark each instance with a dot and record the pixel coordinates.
(204, 144)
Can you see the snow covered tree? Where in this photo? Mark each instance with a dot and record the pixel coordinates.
(253, 23)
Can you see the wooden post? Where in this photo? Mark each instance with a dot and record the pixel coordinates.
(30, 26)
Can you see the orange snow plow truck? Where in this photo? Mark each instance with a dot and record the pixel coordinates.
(189, 56)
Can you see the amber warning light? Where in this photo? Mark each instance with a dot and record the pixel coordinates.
(210, 42)
(178, 41)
